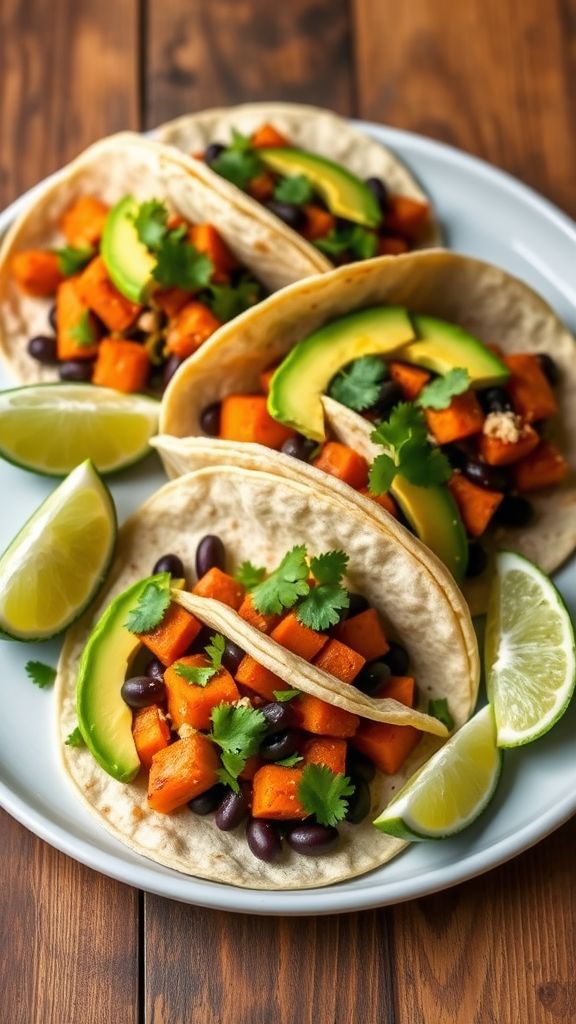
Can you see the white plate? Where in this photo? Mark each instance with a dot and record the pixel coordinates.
(485, 214)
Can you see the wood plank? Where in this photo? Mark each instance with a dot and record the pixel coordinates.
(68, 937)
(497, 79)
(206, 54)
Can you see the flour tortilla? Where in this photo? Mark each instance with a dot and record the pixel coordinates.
(259, 516)
(311, 128)
(481, 298)
(128, 164)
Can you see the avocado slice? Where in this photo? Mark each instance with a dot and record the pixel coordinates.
(442, 346)
(104, 719)
(435, 519)
(303, 377)
(344, 194)
(127, 260)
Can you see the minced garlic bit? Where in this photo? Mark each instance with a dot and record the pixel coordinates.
(506, 426)
(186, 730)
(148, 321)
(243, 702)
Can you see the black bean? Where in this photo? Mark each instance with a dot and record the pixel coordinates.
(155, 670)
(210, 554)
(357, 605)
(171, 564)
(312, 840)
(279, 745)
(209, 800)
(213, 151)
(78, 370)
(397, 659)
(279, 715)
(52, 319)
(233, 809)
(549, 368)
(513, 510)
(372, 676)
(358, 802)
(477, 559)
(210, 419)
(456, 457)
(493, 478)
(232, 657)
(494, 400)
(263, 839)
(289, 213)
(390, 394)
(300, 447)
(140, 691)
(379, 191)
(43, 349)
(359, 766)
(170, 367)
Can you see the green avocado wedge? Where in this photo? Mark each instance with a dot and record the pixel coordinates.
(105, 721)
(127, 259)
(435, 519)
(442, 346)
(344, 194)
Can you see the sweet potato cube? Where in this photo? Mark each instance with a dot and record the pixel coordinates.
(476, 504)
(391, 245)
(319, 222)
(173, 636)
(410, 378)
(364, 634)
(323, 719)
(274, 793)
(260, 680)
(206, 239)
(386, 501)
(190, 328)
(267, 137)
(248, 612)
(98, 292)
(400, 688)
(182, 771)
(543, 467)
(171, 300)
(121, 364)
(462, 418)
(83, 221)
(532, 396)
(344, 463)
(266, 377)
(294, 636)
(220, 586)
(246, 418)
(191, 704)
(407, 217)
(261, 186)
(36, 272)
(340, 661)
(251, 767)
(73, 317)
(387, 746)
(503, 453)
(151, 733)
(324, 750)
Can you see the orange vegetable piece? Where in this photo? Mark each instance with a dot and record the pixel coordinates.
(121, 364)
(319, 222)
(205, 238)
(71, 314)
(173, 636)
(543, 467)
(36, 272)
(410, 378)
(532, 397)
(389, 245)
(261, 187)
(98, 292)
(340, 661)
(190, 328)
(251, 767)
(151, 733)
(406, 217)
(274, 793)
(246, 418)
(255, 677)
(462, 418)
(294, 636)
(400, 688)
(266, 377)
(221, 587)
(364, 634)
(316, 716)
(384, 500)
(387, 746)
(502, 453)
(192, 704)
(267, 137)
(171, 300)
(83, 221)
(344, 463)
(182, 771)
(248, 612)
(476, 504)
(324, 750)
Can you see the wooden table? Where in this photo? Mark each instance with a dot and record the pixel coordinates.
(497, 78)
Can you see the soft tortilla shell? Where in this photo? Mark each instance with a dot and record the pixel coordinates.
(484, 299)
(259, 516)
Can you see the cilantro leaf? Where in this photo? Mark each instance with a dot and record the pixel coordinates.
(238, 163)
(285, 585)
(249, 575)
(405, 423)
(321, 792)
(439, 393)
(438, 708)
(358, 242)
(41, 675)
(381, 474)
(71, 259)
(232, 765)
(329, 567)
(151, 223)
(228, 301)
(289, 762)
(321, 609)
(180, 265)
(75, 738)
(408, 452)
(227, 779)
(83, 332)
(201, 676)
(150, 610)
(357, 386)
(424, 465)
(283, 695)
(295, 189)
(237, 729)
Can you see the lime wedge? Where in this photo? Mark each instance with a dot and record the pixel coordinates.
(51, 428)
(529, 651)
(451, 789)
(56, 564)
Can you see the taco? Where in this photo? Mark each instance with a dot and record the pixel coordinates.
(127, 260)
(345, 194)
(454, 356)
(298, 678)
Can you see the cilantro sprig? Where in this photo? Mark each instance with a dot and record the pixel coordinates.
(83, 332)
(285, 695)
(238, 731)
(249, 575)
(438, 708)
(151, 608)
(439, 393)
(178, 263)
(228, 301)
(322, 793)
(75, 738)
(284, 585)
(408, 452)
(360, 243)
(239, 162)
(357, 386)
(325, 602)
(72, 259)
(201, 676)
(41, 675)
(295, 189)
